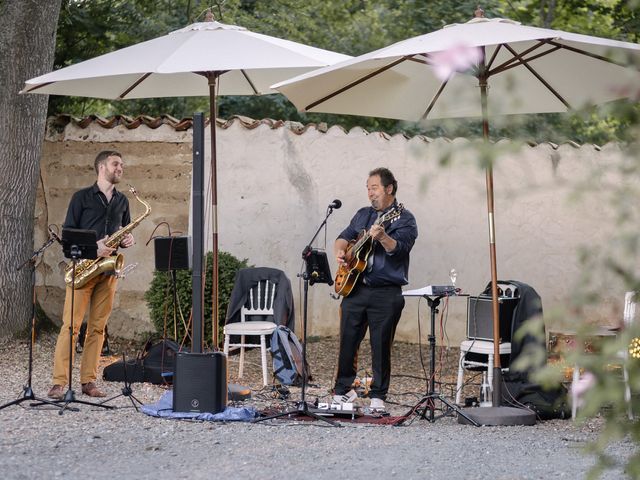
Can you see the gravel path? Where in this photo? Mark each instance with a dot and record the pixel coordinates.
(98, 444)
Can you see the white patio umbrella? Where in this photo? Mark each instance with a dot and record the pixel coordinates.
(203, 59)
(481, 68)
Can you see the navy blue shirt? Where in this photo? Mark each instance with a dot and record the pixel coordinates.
(89, 210)
(388, 268)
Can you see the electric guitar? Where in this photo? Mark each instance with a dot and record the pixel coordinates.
(358, 252)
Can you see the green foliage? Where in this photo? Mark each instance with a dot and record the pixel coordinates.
(159, 297)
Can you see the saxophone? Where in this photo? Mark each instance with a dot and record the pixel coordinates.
(88, 269)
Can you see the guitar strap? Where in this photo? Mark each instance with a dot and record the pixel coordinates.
(371, 258)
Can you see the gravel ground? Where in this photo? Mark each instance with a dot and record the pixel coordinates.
(122, 443)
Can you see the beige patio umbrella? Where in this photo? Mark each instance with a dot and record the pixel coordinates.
(203, 59)
(482, 68)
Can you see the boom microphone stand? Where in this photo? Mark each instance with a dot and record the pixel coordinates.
(316, 271)
(27, 391)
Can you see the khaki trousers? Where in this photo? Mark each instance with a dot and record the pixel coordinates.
(97, 295)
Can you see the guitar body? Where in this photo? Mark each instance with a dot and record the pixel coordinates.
(348, 274)
(358, 252)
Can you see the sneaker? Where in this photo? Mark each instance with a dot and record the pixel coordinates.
(377, 405)
(348, 397)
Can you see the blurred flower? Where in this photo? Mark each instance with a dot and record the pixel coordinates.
(455, 59)
(579, 388)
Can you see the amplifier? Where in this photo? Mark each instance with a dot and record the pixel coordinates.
(172, 253)
(480, 317)
(200, 382)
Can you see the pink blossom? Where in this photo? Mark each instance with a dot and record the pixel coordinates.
(580, 387)
(455, 59)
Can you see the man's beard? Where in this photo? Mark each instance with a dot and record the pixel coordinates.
(113, 179)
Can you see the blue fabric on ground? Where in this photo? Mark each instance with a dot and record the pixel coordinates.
(164, 408)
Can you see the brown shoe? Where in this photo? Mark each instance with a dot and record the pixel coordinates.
(56, 392)
(92, 390)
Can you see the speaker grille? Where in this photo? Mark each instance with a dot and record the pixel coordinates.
(200, 382)
(172, 253)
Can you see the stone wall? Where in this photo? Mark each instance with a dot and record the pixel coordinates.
(276, 180)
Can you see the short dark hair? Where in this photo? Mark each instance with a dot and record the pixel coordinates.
(386, 177)
(102, 157)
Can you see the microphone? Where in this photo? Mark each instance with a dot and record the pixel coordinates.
(54, 236)
(335, 204)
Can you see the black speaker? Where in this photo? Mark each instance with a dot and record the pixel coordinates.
(200, 382)
(172, 253)
(480, 317)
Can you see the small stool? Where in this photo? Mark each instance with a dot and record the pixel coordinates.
(481, 347)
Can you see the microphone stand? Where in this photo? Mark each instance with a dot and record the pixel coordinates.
(27, 391)
(310, 276)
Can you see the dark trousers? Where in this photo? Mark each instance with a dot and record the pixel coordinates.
(378, 309)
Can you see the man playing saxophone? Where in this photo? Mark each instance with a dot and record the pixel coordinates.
(105, 210)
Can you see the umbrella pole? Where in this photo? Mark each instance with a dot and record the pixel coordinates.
(497, 371)
(496, 414)
(213, 76)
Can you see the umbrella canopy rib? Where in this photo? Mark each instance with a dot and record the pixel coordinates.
(590, 54)
(253, 87)
(526, 65)
(356, 82)
(434, 100)
(494, 55)
(133, 86)
(518, 58)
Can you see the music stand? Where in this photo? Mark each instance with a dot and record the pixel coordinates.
(316, 271)
(428, 402)
(27, 391)
(77, 245)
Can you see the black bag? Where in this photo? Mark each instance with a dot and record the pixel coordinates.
(115, 372)
(518, 391)
(155, 364)
(160, 359)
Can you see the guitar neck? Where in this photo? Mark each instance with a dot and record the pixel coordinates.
(365, 238)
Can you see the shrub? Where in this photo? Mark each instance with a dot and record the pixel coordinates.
(159, 297)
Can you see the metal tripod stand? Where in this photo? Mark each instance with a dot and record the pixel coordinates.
(427, 404)
(27, 391)
(127, 391)
(316, 271)
(76, 244)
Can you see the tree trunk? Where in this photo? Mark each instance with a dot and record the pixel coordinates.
(27, 45)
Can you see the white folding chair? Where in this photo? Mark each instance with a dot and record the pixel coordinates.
(260, 302)
(483, 348)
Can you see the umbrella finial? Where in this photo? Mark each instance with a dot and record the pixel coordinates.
(479, 13)
(208, 16)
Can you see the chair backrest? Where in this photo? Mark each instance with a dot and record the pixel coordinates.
(629, 308)
(260, 300)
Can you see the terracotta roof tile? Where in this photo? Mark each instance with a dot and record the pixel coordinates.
(59, 122)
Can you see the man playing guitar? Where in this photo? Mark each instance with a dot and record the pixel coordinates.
(370, 279)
